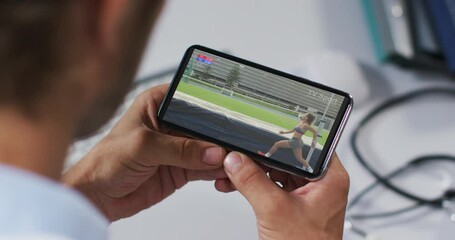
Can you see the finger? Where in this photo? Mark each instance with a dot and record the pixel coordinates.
(206, 175)
(289, 181)
(279, 176)
(335, 181)
(264, 167)
(283, 179)
(224, 185)
(337, 176)
(152, 99)
(251, 181)
(143, 110)
(178, 177)
(336, 173)
(155, 148)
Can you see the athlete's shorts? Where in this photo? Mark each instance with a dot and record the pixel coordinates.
(295, 143)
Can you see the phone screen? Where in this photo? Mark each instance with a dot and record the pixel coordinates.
(281, 119)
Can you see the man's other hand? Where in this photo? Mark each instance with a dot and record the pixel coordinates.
(138, 164)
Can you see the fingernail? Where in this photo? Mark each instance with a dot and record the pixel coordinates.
(232, 162)
(212, 156)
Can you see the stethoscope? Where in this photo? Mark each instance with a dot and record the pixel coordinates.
(444, 201)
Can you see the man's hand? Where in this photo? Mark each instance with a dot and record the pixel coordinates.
(297, 210)
(138, 164)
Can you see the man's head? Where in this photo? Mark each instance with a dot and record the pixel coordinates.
(71, 56)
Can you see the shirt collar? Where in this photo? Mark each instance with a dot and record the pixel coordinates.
(32, 204)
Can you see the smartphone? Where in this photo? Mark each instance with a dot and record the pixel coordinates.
(283, 121)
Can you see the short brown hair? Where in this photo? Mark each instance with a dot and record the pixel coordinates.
(310, 118)
(29, 33)
(37, 45)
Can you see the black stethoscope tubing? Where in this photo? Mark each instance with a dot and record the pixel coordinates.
(436, 202)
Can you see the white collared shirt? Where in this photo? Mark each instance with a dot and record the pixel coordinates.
(34, 208)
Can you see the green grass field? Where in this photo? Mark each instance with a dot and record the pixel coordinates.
(243, 108)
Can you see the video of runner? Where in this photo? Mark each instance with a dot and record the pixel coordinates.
(264, 113)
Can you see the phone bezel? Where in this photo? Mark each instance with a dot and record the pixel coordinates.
(329, 146)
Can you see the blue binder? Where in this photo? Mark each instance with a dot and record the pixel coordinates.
(442, 14)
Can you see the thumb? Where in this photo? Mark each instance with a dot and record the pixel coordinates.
(251, 181)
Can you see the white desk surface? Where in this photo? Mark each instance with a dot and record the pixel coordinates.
(279, 34)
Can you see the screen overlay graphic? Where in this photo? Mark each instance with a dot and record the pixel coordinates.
(261, 112)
